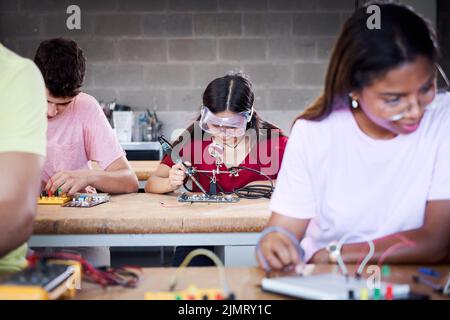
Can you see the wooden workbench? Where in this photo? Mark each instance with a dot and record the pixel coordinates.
(144, 169)
(139, 213)
(155, 220)
(244, 282)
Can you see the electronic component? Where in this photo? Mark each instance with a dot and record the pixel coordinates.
(364, 294)
(44, 281)
(386, 270)
(333, 287)
(193, 292)
(59, 198)
(216, 194)
(127, 277)
(207, 198)
(87, 200)
(429, 272)
(54, 200)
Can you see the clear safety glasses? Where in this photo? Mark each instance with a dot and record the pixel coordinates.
(397, 109)
(234, 126)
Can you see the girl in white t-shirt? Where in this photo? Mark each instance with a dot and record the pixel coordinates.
(370, 158)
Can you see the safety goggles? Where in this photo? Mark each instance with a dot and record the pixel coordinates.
(234, 126)
(401, 108)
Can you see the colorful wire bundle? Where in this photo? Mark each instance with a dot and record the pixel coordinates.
(127, 276)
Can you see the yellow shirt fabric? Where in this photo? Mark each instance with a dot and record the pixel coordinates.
(23, 121)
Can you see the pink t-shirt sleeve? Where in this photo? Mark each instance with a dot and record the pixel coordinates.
(101, 142)
(293, 195)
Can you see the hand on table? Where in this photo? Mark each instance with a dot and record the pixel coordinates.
(279, 251)
(70, 182)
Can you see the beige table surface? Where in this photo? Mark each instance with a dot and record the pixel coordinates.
(244, 282)
(141, 213)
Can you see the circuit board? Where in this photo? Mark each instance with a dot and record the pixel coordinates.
(54, 200)
(191, 293)
(87, 200)
(333, 287)
(58, 197)
(207, 198)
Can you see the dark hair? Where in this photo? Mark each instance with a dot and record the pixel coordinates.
(362, 55)
(233, 93)
(63, 65)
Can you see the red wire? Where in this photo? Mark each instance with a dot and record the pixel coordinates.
(405, 242)
(103, 278)
(50, 190)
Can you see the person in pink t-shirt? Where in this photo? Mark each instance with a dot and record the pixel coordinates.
(78, 131)
(369, 160)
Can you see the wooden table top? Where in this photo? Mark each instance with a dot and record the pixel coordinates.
(244, 282)
(142, 169)
(141, 213)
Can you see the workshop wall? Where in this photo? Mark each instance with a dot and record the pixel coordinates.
(164, 52)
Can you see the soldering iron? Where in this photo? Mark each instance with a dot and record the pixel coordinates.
(216, 192)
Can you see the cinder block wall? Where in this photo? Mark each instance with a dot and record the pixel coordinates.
(168, 50)
(164, 52)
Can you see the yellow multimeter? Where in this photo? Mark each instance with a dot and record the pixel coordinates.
(50, 280)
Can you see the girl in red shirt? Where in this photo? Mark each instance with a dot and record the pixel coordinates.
(229, 126)
(229, 130)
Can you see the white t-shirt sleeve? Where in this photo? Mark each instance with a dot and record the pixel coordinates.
(293, 195)
(440, 181)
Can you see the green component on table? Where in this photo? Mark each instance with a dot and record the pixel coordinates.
(386, 270)
(377, 294)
